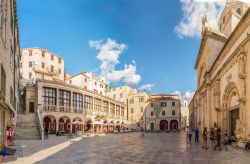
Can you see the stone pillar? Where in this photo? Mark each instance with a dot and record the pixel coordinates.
(57, 100)
(115, 110)
(93, 107)
(57, 125)
(71, 102)
(109, 110)
(70, 127)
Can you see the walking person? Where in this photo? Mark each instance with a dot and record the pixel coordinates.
(218, 139)
(212, 137)
(187, 134)
(247, 147)
(10, 136)
(190, 135)
(225, 142)
(196, 139)
(205, 136)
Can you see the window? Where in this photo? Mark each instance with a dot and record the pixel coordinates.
(163, 104)
(86, 80)
(43, 54)
(112, 109)
(152, 105)
(238, 11)
(163, 113)
(43, 65)
(30, 75)
(141, 109)
(131, 101)
(77, 100)
(59, 71)
(141, 99)
(64, 98)
(52, 68)
(3, 81)
(52, 57)
(132, 110)
(3, 19)
(49, 96)
(152, 113)
(59, 60)
(173, 112)
(30, 52)
(88, 102)
(30, 64)
(173, 103)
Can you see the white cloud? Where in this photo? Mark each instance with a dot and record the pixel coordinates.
(193, 10)
(146, 87)
(109, 52)
(187, 96)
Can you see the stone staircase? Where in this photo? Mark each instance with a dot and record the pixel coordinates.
(27, 127)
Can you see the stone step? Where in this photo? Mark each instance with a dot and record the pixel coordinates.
(22, 124)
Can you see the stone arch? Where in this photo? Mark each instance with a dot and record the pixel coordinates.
(64, 124)
(202, 73)
(163, 125)
(174, 125)
(89, 123)
(231, 96)
(49, 122)
(77, 127)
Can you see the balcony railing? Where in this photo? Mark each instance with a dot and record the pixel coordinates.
(49, 108)
(64, 109)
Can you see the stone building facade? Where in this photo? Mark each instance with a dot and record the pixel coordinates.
(162, 113)
(62, 104)
(38, 63)
(9, 66)
(222, 98)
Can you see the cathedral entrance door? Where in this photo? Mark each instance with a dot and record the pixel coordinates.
(234, 116)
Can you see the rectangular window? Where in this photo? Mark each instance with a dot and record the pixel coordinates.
(43, 54)
(118, 111)
(59, 60)
(152, 105)
(122, 111)
(49, 96)
(52, 57)
(163, 104)
(77, 100)
(141, 99)
(52, 68)
(152, 113)
(3, 81)
(132, 110)
(30, 64)
(30, 52)
(43, 65)
(142, 110)
(106, 107)
(98, 104)
(112, 109)
(30, 75)
(131, 101)
(64, 98)
(173, 103)
(163, 113)
(88, 102)
(173, 112)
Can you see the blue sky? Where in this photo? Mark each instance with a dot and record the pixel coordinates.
(146, 27)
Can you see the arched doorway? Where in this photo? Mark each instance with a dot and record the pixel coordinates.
(174, 125)
(77, 127)
(64, 124)
(152, 126)
(89, 125)
(163, 125)
(49, 122)
(231, 106)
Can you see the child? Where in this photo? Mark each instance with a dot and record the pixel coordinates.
(3, 150)
(225, 142)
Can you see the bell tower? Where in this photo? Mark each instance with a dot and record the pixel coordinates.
(231, 15)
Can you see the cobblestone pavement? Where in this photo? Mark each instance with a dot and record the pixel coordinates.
(123, 148)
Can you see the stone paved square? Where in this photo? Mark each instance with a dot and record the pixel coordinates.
(155, 148)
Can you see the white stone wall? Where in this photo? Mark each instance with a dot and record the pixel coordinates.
(34, 55)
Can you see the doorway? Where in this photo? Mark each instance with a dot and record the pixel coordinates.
(31, 107)
(152, 126)
(234, 116)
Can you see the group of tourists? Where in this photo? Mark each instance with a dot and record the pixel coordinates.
(10, 138)
(215, 136)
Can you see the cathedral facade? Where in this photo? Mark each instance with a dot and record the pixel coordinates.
(222, 99)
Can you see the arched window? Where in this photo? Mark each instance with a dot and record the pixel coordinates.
(238, 11)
